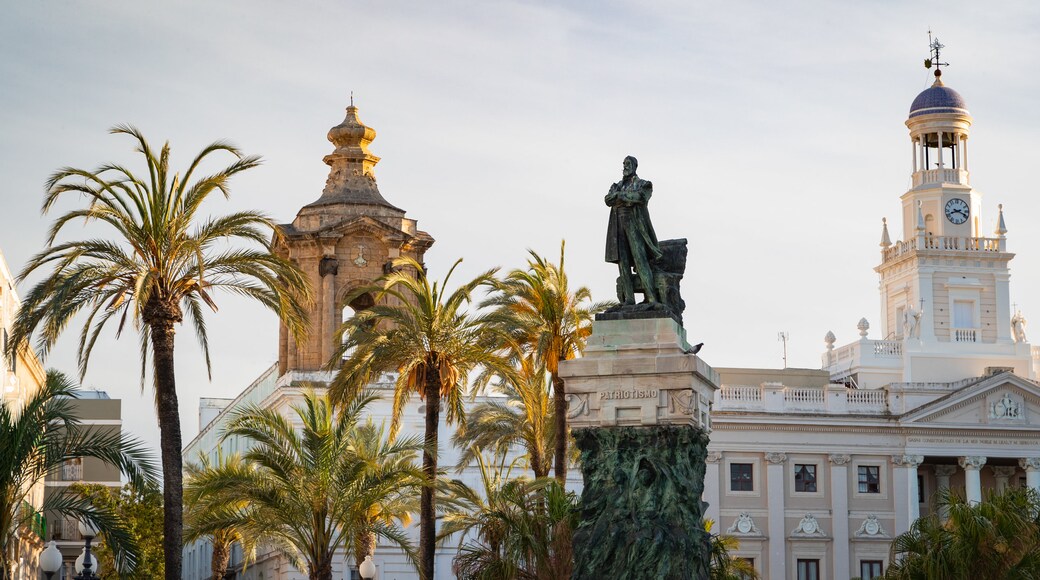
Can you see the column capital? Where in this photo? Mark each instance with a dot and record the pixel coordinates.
(971, 462)
(945, 470)
(911, 461)
(839, 458)
(1004, 471)
(1030, 463)
(713, 457)
(776, 458)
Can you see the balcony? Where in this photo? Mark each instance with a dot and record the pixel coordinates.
(944, 243)
(965, 334)
(777, 398)
(929, 176)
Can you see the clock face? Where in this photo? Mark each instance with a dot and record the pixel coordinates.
(957, 211)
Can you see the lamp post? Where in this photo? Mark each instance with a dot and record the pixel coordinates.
(50, 560)
(367, 569)
(86, 564)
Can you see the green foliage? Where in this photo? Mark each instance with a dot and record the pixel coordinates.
(510, 529)
(534, 312)
(998, 539)
(37, 439)
(140, 511)
(304, 487)
(213, 515)
(725, 566)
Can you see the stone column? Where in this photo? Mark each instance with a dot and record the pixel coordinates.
(775, 485)
(942, 481)
(913, 149)
(1032, 467)
(327, 269)
(940, 152)
(964, 141)
(712, 494)
(972, 465)
(905, 474)
(1003, 474)
(840, 513)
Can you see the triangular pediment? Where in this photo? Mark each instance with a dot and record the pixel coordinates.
(1004, 401)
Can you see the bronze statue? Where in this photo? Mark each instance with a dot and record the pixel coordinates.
(631, 241)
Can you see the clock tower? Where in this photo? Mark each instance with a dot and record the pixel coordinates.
(945, 299)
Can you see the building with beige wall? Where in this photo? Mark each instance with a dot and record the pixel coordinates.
(21, 377)
(815, 471)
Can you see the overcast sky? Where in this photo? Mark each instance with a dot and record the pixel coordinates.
(772, 131)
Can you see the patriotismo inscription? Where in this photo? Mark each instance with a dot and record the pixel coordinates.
(620, 394)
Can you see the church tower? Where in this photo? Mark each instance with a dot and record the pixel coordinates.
(945, 285)
(343, 240)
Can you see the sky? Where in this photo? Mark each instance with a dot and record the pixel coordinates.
(773, 133)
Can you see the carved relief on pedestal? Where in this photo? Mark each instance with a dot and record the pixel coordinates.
(577, 404)
(808, 527)
(871, 528)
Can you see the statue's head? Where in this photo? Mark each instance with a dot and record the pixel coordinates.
(630, 165)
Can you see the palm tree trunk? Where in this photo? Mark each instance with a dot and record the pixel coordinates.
(219, 562)
(560, 418)
(321, 571)
(169, 442)
(364, 545)
(427, 509)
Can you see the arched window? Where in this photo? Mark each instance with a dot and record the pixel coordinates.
(358, 304)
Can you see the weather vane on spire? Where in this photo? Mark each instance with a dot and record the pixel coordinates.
(934, 46)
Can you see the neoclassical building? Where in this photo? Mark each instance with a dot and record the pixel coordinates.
(817, 470)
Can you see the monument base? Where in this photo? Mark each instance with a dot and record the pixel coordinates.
(641, 512)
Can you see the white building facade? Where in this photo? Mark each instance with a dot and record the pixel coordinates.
(817, 471)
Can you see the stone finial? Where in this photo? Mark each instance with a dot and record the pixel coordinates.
(886, 241)
(863, 327)
(920, 218)
(351, 138)
(829, 340)
(1001, 226)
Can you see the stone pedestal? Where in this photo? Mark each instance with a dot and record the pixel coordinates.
(639, 406)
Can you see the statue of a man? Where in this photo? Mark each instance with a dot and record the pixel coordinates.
(631, 241)
(1018, 327)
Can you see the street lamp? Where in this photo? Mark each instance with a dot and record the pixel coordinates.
(367, 569)
(50, 560)
(86, 563)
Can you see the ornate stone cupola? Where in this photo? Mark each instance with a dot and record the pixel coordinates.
(344, 239)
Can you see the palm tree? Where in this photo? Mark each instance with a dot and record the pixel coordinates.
(537, 309)
(424, 333)
(723, 565)
(377, 453)
(214, 516)
(510, 528)
(161, 263)
(38, 439)
(307, 491)
(524, 419)
(998, 538)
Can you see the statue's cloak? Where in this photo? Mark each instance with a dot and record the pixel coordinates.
(633, 220)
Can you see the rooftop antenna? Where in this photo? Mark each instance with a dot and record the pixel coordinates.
(783, 336)
(934, 47)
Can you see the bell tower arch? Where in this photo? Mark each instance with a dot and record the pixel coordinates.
(344, 239)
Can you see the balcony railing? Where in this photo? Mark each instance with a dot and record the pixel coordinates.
(966, 334)
(941, 176)
(946, 243)
(777, 398)
(72, 471)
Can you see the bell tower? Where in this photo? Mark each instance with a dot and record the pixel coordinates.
(343, 240)
(945, 286)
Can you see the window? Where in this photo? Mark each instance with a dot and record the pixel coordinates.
(740, 477)
(750, 563)
(808, 570)
(870, 569)
(869, 479)
(804, 477)
(963, 314)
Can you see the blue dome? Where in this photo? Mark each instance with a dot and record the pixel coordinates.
(938, 99)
